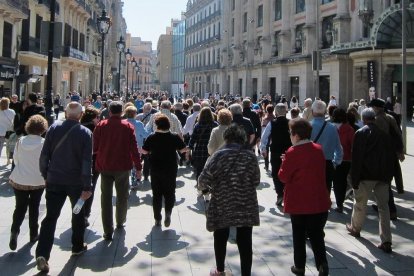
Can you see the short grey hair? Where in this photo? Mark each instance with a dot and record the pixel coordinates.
(73, 109)
(205, 103)
(319, 107)
(196, 107)
(178, 106)
(368, 114)
(147, 107)
(308, 102)
(166, 105)
(236, 109)
(280, 109)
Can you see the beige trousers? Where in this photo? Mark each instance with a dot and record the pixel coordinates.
(380, 189)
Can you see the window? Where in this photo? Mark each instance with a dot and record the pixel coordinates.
(245, 22)
(75, 39)
(300, 6)
(260, 16)
(233, 5)
(232, 27)
(7, 39)
(326, 1)
(278, 10)
(68, 34)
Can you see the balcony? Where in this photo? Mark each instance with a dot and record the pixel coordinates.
(47, 4)
(20, 5)
(32, 45)
(74, 53)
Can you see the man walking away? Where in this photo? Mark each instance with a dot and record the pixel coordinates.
(65, 164)
(115, 146)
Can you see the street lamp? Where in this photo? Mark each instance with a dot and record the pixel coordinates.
(120, 45)
(133, 63)
(137, 70)
(103, 24)
(128, 55)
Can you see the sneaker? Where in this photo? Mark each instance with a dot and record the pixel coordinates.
(279, 201)
(107, 236)
(167, 221)
(215, 272)
(42, 264)
(13, 241)
(158, 223)
(80, 251)
(297, 271)
(352, 231)
(386, 247)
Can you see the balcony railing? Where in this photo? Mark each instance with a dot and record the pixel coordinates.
(31, 45)
(22, 5)
(47, 4)
(74, 53)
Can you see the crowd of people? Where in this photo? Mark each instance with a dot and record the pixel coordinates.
(354, 152)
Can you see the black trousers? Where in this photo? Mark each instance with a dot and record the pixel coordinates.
(55, 199)
(163, 185)
(88, 203)
(26, 199)
(147, 166)
(329, 174)
(312, 225)
(244, 244)
(340, 182)
(276, 163)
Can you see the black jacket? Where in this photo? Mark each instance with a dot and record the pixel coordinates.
(280, 138)
(31, 110)
(182, 117)
(372, 155)
(254, 118)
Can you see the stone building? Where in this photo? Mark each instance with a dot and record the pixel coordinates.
(266, 47)
(142, 53)
(178, 59)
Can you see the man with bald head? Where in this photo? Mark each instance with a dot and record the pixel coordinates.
(65, 164)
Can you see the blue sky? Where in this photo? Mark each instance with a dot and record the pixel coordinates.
(149, 18)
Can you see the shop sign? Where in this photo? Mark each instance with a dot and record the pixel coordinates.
(371, 73)
(7, 73)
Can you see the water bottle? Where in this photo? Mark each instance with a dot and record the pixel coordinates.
(78, 206)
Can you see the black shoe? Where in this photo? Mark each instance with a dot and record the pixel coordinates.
(42, 264)
(386, 247)
(158, 223)
(80, 251)
(167, 221)
(297, 271)
(13, 241)
(107, 236)
(375, 207)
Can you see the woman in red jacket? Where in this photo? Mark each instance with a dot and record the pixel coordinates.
(305, 196)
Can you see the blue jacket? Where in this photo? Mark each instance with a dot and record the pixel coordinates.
(329, 140)
(140, 132)
(71, 163)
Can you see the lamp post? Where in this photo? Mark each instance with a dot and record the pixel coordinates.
(128, 55)
(133, 63)
(104, 24)
(137, 70)
(120, 46)
(49, 85)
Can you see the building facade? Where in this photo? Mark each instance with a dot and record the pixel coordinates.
(203, 47)
(13, 12)
(267, 48)
(77, 45)
(178, 59)
(141, 51)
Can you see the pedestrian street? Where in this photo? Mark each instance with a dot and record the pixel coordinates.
(186, 247)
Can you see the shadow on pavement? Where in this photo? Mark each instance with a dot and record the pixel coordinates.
(162, 242)
(19, 262)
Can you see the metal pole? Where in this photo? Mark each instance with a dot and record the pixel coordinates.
(102, 65)
(49, 83)
(127, 66)
(119, 74)
(404, 75)
(318, 58)
(132, 80)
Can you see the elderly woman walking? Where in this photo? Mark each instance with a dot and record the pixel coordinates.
(6, 120)
(306, 198)
(232, 175)
(26, 180)
(216, 141)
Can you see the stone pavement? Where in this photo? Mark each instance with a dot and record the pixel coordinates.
(186, 247)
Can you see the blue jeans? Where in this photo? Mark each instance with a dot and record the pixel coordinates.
(55, 199)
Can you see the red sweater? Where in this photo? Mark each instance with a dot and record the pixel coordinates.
(303, 173)
(115, 146)
(346, 135)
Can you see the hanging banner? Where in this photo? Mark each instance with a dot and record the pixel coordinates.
(372, 76)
